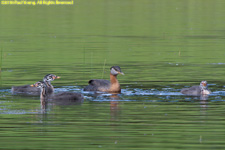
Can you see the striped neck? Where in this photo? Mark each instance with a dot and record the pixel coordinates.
(43, 94)
(48, 84)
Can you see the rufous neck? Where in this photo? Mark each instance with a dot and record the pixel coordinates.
(113, 79)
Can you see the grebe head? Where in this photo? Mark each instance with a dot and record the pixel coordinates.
(115, 70)
(50, 77)
(39, 84)
(203, 85)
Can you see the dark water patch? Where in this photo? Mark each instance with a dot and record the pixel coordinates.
(133, 37)
(205, 37)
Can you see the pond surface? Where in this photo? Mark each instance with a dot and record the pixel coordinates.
(161, 46)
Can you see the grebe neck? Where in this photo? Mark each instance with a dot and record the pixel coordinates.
(115, 85)
(43, 94)
(113, 79)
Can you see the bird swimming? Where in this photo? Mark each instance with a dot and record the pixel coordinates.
(64, 98)
(27, 89)
(104, 85)
(202, 89)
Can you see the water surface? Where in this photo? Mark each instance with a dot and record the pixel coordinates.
(161, 46)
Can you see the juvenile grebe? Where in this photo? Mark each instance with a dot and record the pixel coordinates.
(27, 89)
(202, 89)
(63, 98)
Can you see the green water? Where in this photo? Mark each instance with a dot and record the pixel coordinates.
(160, 45)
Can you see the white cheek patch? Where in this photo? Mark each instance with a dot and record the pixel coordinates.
(49, 79)
(113, 71)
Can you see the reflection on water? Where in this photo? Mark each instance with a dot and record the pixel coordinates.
(127, 95)
(114, 106)
(113, 120)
